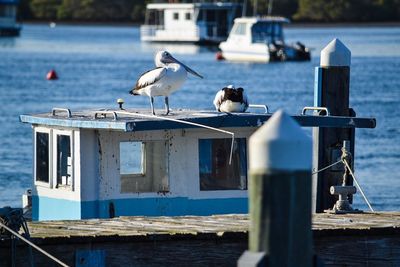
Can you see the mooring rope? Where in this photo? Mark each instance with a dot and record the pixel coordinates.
(327, 167)
(357, 184)
(33, 245)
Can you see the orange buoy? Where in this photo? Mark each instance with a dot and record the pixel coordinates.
(219, 56)
(52, 75)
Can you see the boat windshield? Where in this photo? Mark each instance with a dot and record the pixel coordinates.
(267, 32)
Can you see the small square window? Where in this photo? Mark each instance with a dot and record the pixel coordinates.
(131, 158)
(215, 171)
(144, 166)
(176, 16)
(188, 16)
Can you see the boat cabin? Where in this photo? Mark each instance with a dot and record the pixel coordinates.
(261, 39)
(106, 163)
(8, 15)
(189, 22)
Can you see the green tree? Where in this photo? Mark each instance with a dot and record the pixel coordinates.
(45, 9)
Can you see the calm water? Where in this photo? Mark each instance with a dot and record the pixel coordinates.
(98, 64)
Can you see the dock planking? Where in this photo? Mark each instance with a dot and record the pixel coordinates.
(339, 240)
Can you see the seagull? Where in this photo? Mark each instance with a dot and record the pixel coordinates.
(166, 78)
(231, 99)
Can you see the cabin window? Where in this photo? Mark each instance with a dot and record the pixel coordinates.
(42, 157)
(144, 166)
(215, 171)
(63, 161)
(188, 16)
(131, 158)
(176, 16)
(240, 29)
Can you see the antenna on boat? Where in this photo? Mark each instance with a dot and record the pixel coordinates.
(184, 122)
(244, 9)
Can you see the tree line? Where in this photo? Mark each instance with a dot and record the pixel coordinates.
(134, 10)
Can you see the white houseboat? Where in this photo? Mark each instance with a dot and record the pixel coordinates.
(8, 14)
(202, 23)
(106, 163)
(261, 39)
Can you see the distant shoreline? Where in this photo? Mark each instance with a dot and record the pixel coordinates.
(291, 25)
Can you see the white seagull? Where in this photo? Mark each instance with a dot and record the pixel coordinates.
(231, 99)
(168, 77)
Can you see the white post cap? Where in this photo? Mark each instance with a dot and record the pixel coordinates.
(280, 144)
(335, 54)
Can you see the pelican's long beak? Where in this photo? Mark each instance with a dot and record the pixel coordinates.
(187, 68)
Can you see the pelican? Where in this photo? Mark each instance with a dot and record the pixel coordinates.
(168, 77)
(231, 99)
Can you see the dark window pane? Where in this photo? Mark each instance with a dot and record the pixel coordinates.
(215, 171)
(63, 160)
(42, 157)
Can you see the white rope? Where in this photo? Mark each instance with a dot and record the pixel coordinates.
(357, 184)
(33, 245)
(327, 167)
(184, 122)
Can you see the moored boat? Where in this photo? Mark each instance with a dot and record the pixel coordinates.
(261, 39)
(202, 23)
(8, 14)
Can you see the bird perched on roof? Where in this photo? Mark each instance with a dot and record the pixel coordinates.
(168, 77)
(231, 99)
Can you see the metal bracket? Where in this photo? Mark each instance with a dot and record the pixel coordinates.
(67, 110)
(303, 112)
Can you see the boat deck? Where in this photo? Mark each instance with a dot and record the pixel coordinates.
(367, 239)
(326, 224)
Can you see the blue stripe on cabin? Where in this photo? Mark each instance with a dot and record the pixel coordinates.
(60, 209)
(318, 86)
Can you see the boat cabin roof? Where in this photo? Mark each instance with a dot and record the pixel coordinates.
(133, 120)
(191, 5)
(253, 20)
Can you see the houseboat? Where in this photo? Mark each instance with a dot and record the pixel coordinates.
(127, 162)
(261, 39)
(8, 15)
(200, 23)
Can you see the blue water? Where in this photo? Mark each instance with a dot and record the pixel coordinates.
(98, 64)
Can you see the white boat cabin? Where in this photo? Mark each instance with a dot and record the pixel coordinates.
(106, 163)
(261, 39)
(189, 22)
(101, 164)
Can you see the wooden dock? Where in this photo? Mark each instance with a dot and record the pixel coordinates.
(367, 239)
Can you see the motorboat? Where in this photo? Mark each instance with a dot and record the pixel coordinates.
(261, 39)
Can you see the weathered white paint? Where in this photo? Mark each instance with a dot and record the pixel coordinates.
(280, 144)
(335, 54)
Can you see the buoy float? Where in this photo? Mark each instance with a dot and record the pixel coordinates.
(219, 56)
(52, 75)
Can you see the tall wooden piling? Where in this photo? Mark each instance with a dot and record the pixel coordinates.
(279, 195)
(331, 90)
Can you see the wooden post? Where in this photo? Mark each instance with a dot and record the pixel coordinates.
(331, 90)
(279, 195)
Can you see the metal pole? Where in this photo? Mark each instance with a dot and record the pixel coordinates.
(279, 195)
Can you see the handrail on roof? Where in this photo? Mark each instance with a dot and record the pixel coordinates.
(104, 114)
(67, 110)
